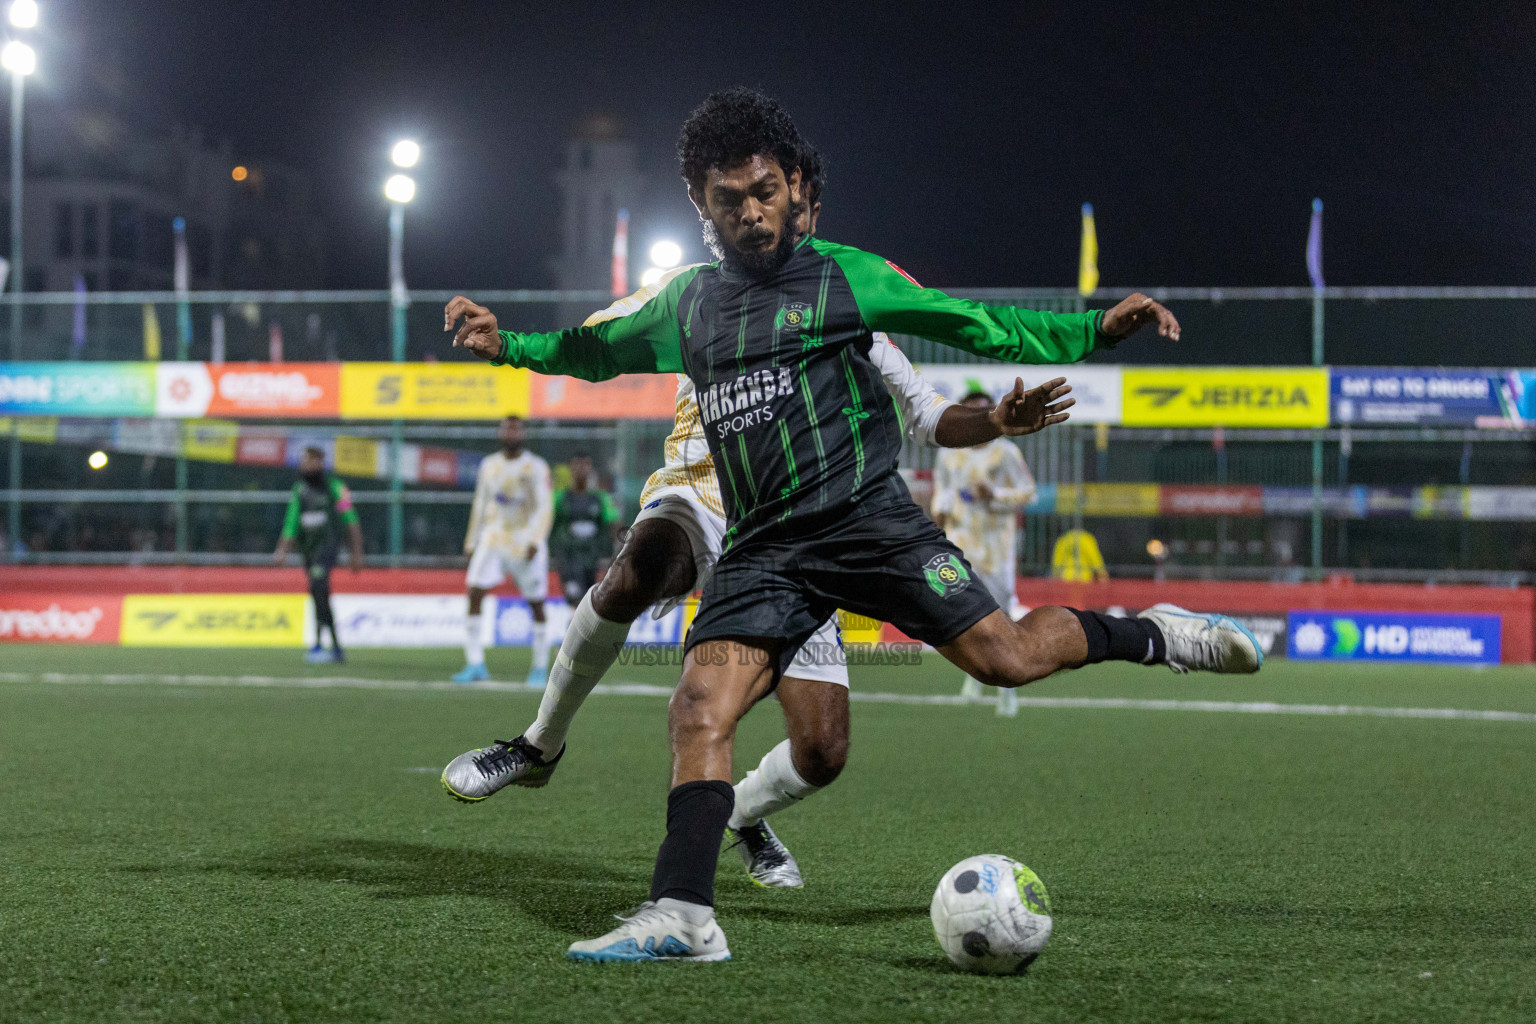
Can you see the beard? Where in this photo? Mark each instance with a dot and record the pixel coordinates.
(755, 262)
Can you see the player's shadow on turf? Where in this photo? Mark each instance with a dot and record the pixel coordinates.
(559, 891)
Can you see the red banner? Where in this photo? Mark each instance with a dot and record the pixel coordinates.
(60, 618)
(1191, 500)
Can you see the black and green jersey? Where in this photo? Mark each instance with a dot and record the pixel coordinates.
(316, 515)
(797, 417)
(582, 531)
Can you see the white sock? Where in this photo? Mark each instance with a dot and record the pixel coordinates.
(540, 644)
(1007, 702)
(770, 787)
(474, 647)
(590, 646)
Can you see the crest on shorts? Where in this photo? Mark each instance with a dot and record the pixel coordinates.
(946, 574)
(793, 316)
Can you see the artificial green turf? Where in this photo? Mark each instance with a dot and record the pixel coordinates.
(199, 853)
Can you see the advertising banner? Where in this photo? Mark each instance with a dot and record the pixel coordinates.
(638, 396)
(211, 440)
(213, 620)
(77, 389)
(1200, 396)
(1109, 499)
(1421, 397)
(57, 618)
(401, 620)
(307, 390)
(1394, 636)
(1193, 500)
(1096, 388)
(435, 391)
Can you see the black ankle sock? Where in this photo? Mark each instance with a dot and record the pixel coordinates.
(1116, 639)
(697, 813)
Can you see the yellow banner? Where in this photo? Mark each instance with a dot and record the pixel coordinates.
(858, 629)
(1225, 396)
(1108, 499)
(213, 620)
(42, 429)
(210, 440)
(432, 391)
(357, 456)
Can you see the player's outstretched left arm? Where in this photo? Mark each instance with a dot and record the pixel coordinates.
(889, 300)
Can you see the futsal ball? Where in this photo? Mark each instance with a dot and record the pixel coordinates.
(991, 914)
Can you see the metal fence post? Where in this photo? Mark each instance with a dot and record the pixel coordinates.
(399, 300)
(181, 492)
(15, 481)
(1317, 443)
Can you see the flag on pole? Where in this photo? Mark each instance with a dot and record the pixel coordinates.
(620, 277)
(181, 277)
(77, 337)
(1315, 246)
(274, 342)
(151, 333)
(216, 339)
(1088, 257)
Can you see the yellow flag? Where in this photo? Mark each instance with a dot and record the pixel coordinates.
(1088, 260)
(151, 333)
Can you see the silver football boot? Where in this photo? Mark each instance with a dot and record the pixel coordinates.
(768, 860)
(662, 930)
(476, 774)
(1199, 642)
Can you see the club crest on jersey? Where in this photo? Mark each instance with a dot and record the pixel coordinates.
(793, 316)
(946, 574)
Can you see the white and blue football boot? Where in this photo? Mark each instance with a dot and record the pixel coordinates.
(660, 930)
(1199, 642)
(472, 674)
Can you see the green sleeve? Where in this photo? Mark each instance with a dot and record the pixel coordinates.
(610, 510)
(342, 495)
(647, 339)
(890, 301)
(291, 517)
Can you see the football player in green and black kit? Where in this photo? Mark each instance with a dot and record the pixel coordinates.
(586, 528)
(776, 338)
(320, 507)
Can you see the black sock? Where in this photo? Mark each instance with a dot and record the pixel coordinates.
(1116, 639)
(697, 813)
(320, 590)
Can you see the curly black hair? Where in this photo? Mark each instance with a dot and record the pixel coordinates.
(813, 173)
(734, 126)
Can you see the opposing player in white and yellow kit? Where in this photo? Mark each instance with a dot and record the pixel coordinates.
(977, 495)
(670, 551)
(509, 536)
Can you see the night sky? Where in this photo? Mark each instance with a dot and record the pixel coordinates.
(961, 144)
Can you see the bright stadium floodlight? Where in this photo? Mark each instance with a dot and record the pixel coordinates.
(24, 13)
(666, 254)
(18, 58)
(97, 460)
(400, 188)
(405, 153)
(651, 276)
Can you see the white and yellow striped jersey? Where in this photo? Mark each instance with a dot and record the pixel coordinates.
(986, 530)
(687, 462)
(514, 505)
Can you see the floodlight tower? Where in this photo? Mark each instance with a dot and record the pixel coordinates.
(399, 189)
(20, 60)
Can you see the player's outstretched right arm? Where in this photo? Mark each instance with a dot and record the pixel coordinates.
(646, 339)
(290, 528)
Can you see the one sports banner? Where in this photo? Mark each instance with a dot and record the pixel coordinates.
(1096, 388)
(1394, 636)
(1225, 396)
(77, 389)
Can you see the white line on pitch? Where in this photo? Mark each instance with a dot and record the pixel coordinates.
(650, 690)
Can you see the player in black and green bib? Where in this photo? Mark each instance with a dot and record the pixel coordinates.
(586, 525)
(319, 511)
(776, 338)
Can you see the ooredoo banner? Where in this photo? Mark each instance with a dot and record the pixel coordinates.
(60, 619)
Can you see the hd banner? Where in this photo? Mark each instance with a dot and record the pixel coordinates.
(1394, 636)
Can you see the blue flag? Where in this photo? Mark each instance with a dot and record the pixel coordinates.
(1315, 246)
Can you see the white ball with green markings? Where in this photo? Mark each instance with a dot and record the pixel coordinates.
(991, 914)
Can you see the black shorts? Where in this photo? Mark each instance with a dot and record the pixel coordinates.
(890, 563)
(319, 563)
